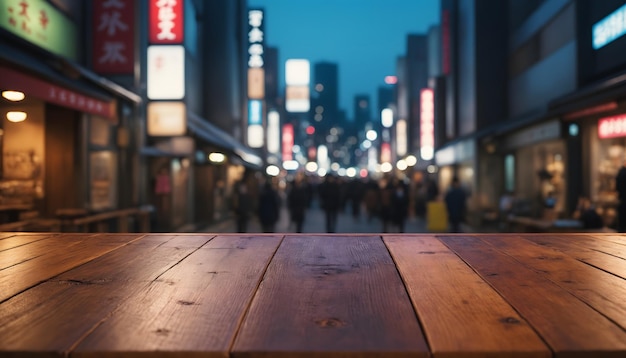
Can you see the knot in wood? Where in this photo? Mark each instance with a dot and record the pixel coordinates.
(330, 322)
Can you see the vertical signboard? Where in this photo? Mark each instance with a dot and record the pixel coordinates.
(256, 73)
(297, 78)
(256, 78)
(288, 142)
(113, 36)
(166, 22)
(255, 123)
(427, 124)
(166, 72)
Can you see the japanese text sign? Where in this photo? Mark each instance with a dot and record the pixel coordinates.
(113, 35)
(41, 24)
(166, 22)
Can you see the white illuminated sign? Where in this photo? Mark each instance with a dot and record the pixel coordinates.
(427, 124)
(386, 116)
(255, 39)
(166, 72)
(297, 72)
(166, 119)
(610, 28)
(273, 132)
(401, 140)
(255, 136)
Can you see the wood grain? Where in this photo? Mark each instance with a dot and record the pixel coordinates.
(593, 250)
(601, 290)
(460, 313)
(22, 265)
(193, 308)
(568, 325)
(52, 317)
(334, 297)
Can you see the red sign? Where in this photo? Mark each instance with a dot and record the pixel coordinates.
(166, 21)
(113, 36)
(612, 127)
(288, 142)
(49, 92)
(427, 123)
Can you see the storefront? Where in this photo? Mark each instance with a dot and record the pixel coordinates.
(535, 164)
(63, 148)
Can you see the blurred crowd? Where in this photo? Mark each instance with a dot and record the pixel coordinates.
(389, 200)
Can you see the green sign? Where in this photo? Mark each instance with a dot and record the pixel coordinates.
(40, 23)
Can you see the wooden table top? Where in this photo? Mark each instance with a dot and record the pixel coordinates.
(312, 295)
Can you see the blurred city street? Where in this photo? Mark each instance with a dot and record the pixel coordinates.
(315, 223)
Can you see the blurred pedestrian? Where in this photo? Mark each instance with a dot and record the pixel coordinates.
(586, 213)
(298, 199)
(620, 187)
(399, 205)
(371, 198)
(330, 200)
(242, 205)
(455, 205)
(386, 211)
(269, 207)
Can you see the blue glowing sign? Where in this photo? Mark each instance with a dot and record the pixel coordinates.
(255, 114)
(610, 28)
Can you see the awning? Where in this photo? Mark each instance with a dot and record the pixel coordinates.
(217, 137)
(592, 95)
(66, 73)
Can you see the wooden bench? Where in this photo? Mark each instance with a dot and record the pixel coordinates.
(101, 222)
(312, 295)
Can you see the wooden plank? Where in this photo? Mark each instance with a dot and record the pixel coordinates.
(599, 289)
(54, 316)
(568, 325)
(28, 265)
(331, 296)
(599, 253)
(618, 239)
(447, 293)
(4, 235)
(19, 239)
(196, 307)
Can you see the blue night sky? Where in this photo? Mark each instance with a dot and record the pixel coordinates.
(364, 37)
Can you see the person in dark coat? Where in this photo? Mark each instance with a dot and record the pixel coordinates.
(298, 201)
(399, 205)
(620, 187)
(330, 200)
(269, 207)
(455, 205)
(242, 205)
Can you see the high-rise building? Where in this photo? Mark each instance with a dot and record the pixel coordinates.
(362, 111)
(326, 88)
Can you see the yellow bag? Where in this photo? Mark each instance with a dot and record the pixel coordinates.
(436, 216)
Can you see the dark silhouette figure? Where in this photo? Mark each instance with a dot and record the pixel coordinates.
(620, 186)
(330, 200)
(269, 207)
(587, 214)
(298, 201)
(371, 197)
(386, 208)
(399, 205)
(242, 205)
(455, 205)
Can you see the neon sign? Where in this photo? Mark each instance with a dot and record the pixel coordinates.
(610, 28)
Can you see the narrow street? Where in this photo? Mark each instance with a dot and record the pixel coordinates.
(315, 223)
